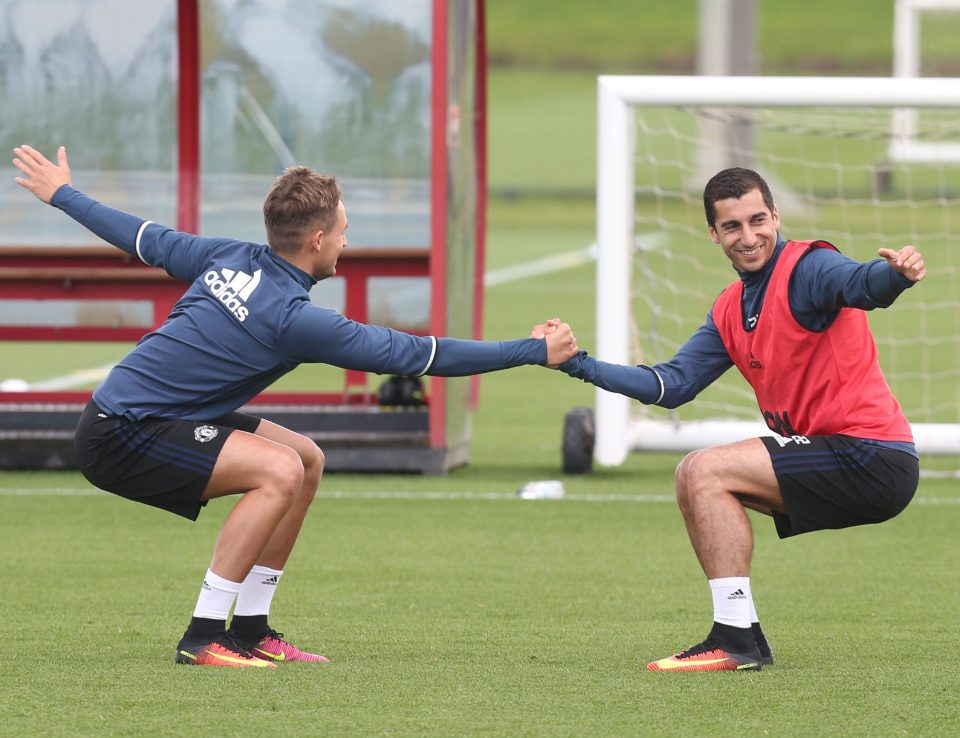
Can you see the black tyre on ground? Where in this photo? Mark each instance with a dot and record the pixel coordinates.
(578, 438)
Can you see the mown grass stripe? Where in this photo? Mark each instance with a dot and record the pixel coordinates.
(440, 495)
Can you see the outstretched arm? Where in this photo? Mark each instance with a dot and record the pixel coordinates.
(51, 183)
(697, 364)
(319, 335)
(826, 281)
(182, 255)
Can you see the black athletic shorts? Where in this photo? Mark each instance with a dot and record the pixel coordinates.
(839, 481)
(161, 462)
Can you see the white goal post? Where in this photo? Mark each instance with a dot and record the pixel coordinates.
(907, 62)
(620, 98)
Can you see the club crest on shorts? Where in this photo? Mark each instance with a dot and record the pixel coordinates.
(204, 433)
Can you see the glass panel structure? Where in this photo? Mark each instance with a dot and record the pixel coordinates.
(341, 87)
(101, 79)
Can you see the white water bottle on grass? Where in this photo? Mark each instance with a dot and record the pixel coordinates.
(547, 489)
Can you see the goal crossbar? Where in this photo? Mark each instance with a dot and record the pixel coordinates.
(617, 97)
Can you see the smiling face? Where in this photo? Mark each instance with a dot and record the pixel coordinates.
(746, 230)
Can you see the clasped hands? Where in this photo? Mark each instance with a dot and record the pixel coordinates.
(561, 343)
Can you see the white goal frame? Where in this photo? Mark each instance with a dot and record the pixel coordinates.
(616, 432)
(904, 146)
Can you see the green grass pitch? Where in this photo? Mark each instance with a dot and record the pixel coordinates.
(448, 606)
(466, 616)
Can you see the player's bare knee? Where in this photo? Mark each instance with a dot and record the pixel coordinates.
(321, 458)
(311, 480)
(286, 474)
(313, 460)
(682, 476)
(699, 475)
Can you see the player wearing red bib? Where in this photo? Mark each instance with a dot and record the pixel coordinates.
(842, 453)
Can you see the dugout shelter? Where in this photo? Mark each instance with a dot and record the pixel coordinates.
(184, 112)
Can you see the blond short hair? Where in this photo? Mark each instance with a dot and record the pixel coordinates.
(300, 202)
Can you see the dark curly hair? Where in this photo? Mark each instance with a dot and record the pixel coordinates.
(733, 183)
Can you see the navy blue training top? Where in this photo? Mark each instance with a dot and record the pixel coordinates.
(245, 320)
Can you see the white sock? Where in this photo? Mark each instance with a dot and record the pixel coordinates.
(216, 597)
(257, 591)
(753, 612)
(731, 601)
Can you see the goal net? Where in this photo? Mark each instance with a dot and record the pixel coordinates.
(826, 147)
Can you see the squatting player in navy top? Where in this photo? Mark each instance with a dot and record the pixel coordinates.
(162, 428)
(841, 453)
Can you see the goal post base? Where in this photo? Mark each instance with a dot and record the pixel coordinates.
(935, 439)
